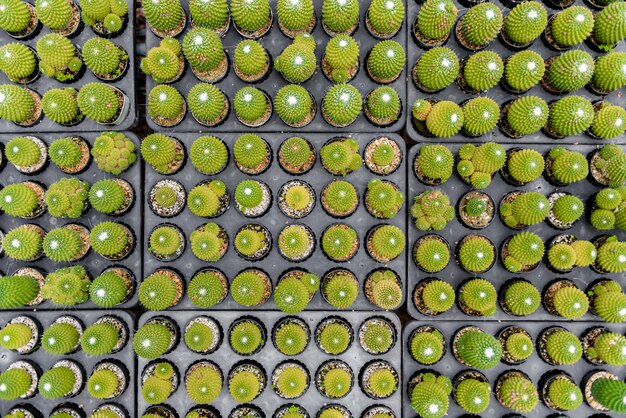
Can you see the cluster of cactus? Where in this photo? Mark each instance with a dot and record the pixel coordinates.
(164, 63)
(610, 161)
(567, 167)
(113, 152)
(108, 16)
(58, 57)
(525, 209)
(608, 212)
(341, 157)
(429, 397)
(293, 293)
(67, 198)
(207, 242)
(431, 210)
(564, 256)
(524, 250)
(478, 164)
(67, 286)
(607, 300)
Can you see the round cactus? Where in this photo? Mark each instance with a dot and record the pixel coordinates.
(525, 165)
(113, 152)
(204, 51)
(17, 17)
(159, 291)
(294, 105)
(610, 25)
(295, 16)
(109, 196)
(55, 14)
(519, 346)
(527, 115)
(58, 57)
(570, 302)
(110, 239)
(435, 162)
(60, 105)
(164, 62)
(105, 17)
(476, 348)
(383, 198)
(523, 70)
(431, 254)
(207, 103)
(609, 74)
(431, 210)
(427, 346)
(570, 115)
(24, 243)
(384, 18)
(480, 25)
(340, 16)
(251, 60)
(207, 289)
(569, 71)
(17, 104)
(204, 383)
(251, 16)
(480, 115)
(251, 106)
(155, 390)
(341, 290)
(212, 15)
(152, 340)
(342, 104)
(99, 102)
(296, 63)
(522, 298)
(525, 209)
(525, 249)
(609, 348)
(67, 286)
(436, 69)
(435, 21)
(571, 26)
(250, 288)
(338, 242)
(20, 199)
(109, 289)
(609, 122)
(164, 16)
(290, 338)
(525, 23)
(15, 336)
(341, 157)
(60, 338)
(17, 61)
(383, 105)
(67, 198)
(429, 397)
(563, 347)
(609, 394)
(476, 255)
(445, 119)
(568, 209)
(25, 152)
(518, 393)
(386, 61)
(63, 244)
(57, 383)
(18, 291)
(209, 155)
(340, 198)
(483, 70)
(341, 58)
(165, 104)
(568, 166)
(473, 395)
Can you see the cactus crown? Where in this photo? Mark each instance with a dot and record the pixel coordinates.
(152, 340)
(340, 16)
(480, 115)
(99, 102)
(563, 347)
(570, 71)
(155, 390)
(436, 69)
(209, 14)
(295, 15)
(483, 70)
(108, 289)
(296, 152)
(525, 249)
(113, 152)
(518, 393)
(23, 243)
(160, 151)
(341, 156)
(109, 238)
(527, 115)
(165, 241)
(208, 243)
(14, 383)
(294, 242)
(610, 25)
(572, 26)
(60, 338)
(432, 254)
(62, 244)
(386, 60)
(163, 15)
(476, 254)
(427, 346)
(250, 16)
(246, 337)
(609, 74)
(436, 19)
(438, 296)
(525, 22)
(297, 62)
(568, 208)
(522, 298)
(293, 104)
(342, 104)
(206, 289)
(16, 103)
(18, 199)
(481, 24)
(17, 61)
(383, 198)
(523, 70)
(385, 17)
(386, 292)
(67, 286)
(336, 383)
(377, 338)
(445, 119)
(570, 115)
(431, 210)
(525, 165)
(568, 166)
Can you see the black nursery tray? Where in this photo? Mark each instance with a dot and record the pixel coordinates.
(275, 42)
(534, 366)
(45, 361)
(126, 84)
(356, 400)
(497, 232)
(274, 220)
(497, 93)
(94, 263)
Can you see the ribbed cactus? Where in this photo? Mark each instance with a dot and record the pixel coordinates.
(251, 17)
(297, 62)
(523, 70)
(569, 71)
(207, 103)
(294, 105)
(15, 17)
(436, 69)
(525, 23)
(105, 17)
(445, 119)
(610, 72)
(99, 102)
(609, 121)
(162, 153)
(567, 166)
(110, 289)
(251, 105)
(58, 58)
(477, 164)
(17, 61)
(610, 25)
(342, 104)
(111, 240)
(165, 104)
(203, 49)
(25, 152)
(384, 17)
(24, 243)
(340, 16)
(483, 70)
(57, 383)
(60, 105)
(67, 286)
(55, 14)
(435, 21)
(341, 58)
(383, 105)
(103, 57)
(295, 16)
(386, 61)
(164, 62)
(20, 200)
(527, 115)
(62, 244)
(17, 291)
(212, 14)
(16, 104)
(164, 16)
(480, 25)
(570, 115)
(251, 60)
(480, 115)
(570, 27)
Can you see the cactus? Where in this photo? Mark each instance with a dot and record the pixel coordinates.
(162, 153)
(611, 162)
(480, 115)
(58, 58)
(523, 70)
(17, 104)
(340, 198)
(384, 18)
(55, 14)
(341, 290)
(295, 242)
(568, 166)
(525, 249)
(99, 339)
(250, 288)
(99, 102)
(569, 71)
(165, 16)
(438, 296)
(525, 23)
(294, 105)
(445, 119)
(24, 243)
(473, 395)
(609, 122)
(386, 293)
(609, 348)
(477, 295)
(341, 58)
(570, 302)
(60, 338)
(383, 105)
(518, 393)
(67, 286)
(478, 164)
(519, 346)
(110, 239)
(108, 289)
(341, 156)
(429, 397)
(198, 337)
(386, 61)
(165, 104)
(207, 243)
(15, 336)
(480, 25)
(381, 383)
(209, 155)
(165, 241)
(568, 209)
(340, 17)
(291, 295)
(570, 115)
(435, 162)
(208, 104)
(610, 25)
(203, 383)
(522, 298)
(60, 106)
(386, 243)
(14, 383)
(106, 16)
(159, 291)
(431, 210)
(295, 16)
(24, 151)
(251, 60)
(251, 105)
(250, 150)
(562, 256)
(431, 254)
(18, 291)
(246, 337)
(212, 15)
(164, 63)
(436, 69)
(609, 394)
(296, 63)
(571, 26)
(63, 244)
(435, 20)
(57, 383)
(609, 74)
(113, 152)
(476, 255)
(563, 348)
(152, 340)
(383, 199)
(204, 200)
(17, 61)
(67, 198)
(290, 338)
(19, 199)
(296, 153)
(525, 166)
(338, 242)
(204, 51)
(427, 346)
(336, 383)
(483, 70)
(16, 17)
(206, 289)
(610, 256)
(155, 390)
(244, 386)
(342, 104)
(527, 115)
(108, 196)
(292, 382)
(252, 16)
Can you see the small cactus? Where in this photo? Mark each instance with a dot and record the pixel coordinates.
(571, 26)
(296, 63)
(295, 16)
(521, 298)
(340, 17)
(99, 102)
(434, 162)
(341, 58)
(63, 244)
(609, 122)
(610, 25)
(24, 243)
(20, 199)
(436, 69)
(476, 348)
(17, 61)
(480, 25)
(431, 210)
(525, 209)
(55, 14)
(445, 119)
(18, 291)
(67, 286)
(523, 70)
(525, 249)
(204, 51)
(67, 198)
(251, 106)
(17, 104)
(250, 288)
(252, 17)
(113, 152)
(16, 17)
(105, 17)
(164, 63)
(164, 16)
(609, 394)
(58, 58)
(152, 340)
(338, 242)
(480, 115)
(109, 289)
(204, 383)
(525, 23)
(609, 74)
(569, 71)
(207, 288)
(525, 165)
(567, 166)
(251, 60)
(568, 209)
(473, 395)
(386, 61)
(166, 105)
(212, 15)
(160, 291)
(570, 115)
(527, 115)
(384, 18)
(294, 105)
(208, 104)
(518, 393)
(341, 157)
(251, 152)
(476, 255)
(383, 106)
(342, 104)
(429, 397)
(110, 196)
(111, 240)
(431, 253)
(383, 198)
(435, 20)
(483, 70)
(477, 165)
(60, 106)
(209, 155)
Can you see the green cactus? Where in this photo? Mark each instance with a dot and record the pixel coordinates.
(99, 102)
(338, 242)
(341, 157)
(386, 243)
(570, 302)
(610, 256)
(207, 243)
(244, 386)
(14, 383)
(204, 51)
(295, 16)
(386, 61)
(109, 289)
(341, 58)
(250, 288)
(480, 115)
(24, 151)
(562, 256)
(165, 104)
(251, 60)
(340, 198)
(60, 106)
(251, 17)
(427, 346)
(63, 244)
(16, 17)
(436, 69)
(525, 23)
(609, 348)
(199, 337)
(24, 243)
(429, 397)
(57, 383)
(569, 71)
(291, 294)
(523, 70)
(568, 166)
(570, 115)
(341, 290)
(105, 17)
(519, 346)
(336, 383)
(17, 104)
(295, 242)
(568, 209)
(20, 199)
(209, 155)
(431, 253)
(478, 164)
(527, 115)
(525, 165)
(208, 104)
(386, 293)
(205, 199)
(522, 298)
(383, 105)
(251, 106)
(67, 198)
(342, 104)
(212, 15)
(152, 340)
(562, 347)
(110, 239)
(155, 390)
(250, 151)
(246, 337)
(290, 338)
(165, 242)
(60, 338)
(524, 250)
(476, 348)
(483, 70)
(204, 383)
(476, 255)
(480, 25)
(99, 339)
(296, 63)
(108, 196)
(207, 289)
(58, 58)
(162, 152)
(340, 16)
(15, 336)
(17, 61)
(609, 122)
(435, 21)
(384, 18)
(164, 63)
(609, 301)
(18, 291)
(292, 381)
(477, 295)
(431, 210)
(164, 16)
(610, 25)
(295, 154)
(438, 296)
(571, 26)
(445, 119)
(67, 286)
(294, 105)
(473, 395)
(434, 162)
(113, 152)
(518, 393)
(104, 58)
(609, 74)
(609, 394)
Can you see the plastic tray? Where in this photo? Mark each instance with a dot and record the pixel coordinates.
(269, 357)
(275, 42)
(497, 93)
(455, 187)
(275, 220)
(93, 262)
(126, 356)
(534, 366)
(126, 84)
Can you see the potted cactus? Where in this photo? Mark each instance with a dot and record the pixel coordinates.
(68, 286)
(212, 15)
(524, 23)
(565, 210)
(427, 345)
(522, 71)
(384, 18)
(342, 105)
(252, 18)
(209, 242)
(479, 26)
(608, 27)
(164, 63)
(568, 71)
(296, 243)
(564, 167)
(253, 242)
(480, 72)
(252, 154)
(68, 243)
(165, 154)
(19, 19)
(161, 290)
(296, 155)
(296, 199)
(520, 298)
(340, 62)
(433, 164)
(297, 62)
(476, 254)
(253, 107)
(563, 298)
(566, 252)
(340, 156)
(522, 252)
(112, 287)
(476, 209)
(569, 27)
(167, 198)
(605, 392)
(431, 210)
(478, 164)
(434, 22)
(607, 76)
(385, 61)
(340, 17)
(165, 18)
(253, 198)
(559, 346)
(433, 296)
(607, 211)
(607, 300)
(208, 105)
(207, 288)
(383, 199)
(295, 106)
(113, 152)
(476, 348)
(382, 156)
(430, 392)
(339, 198)
(524, 116)
(339, 242)
(522, 166)
(445, 119)
(608, 121)
(28, 154)
(103, 103)
(208, 199)
(113, 241)
(166, 106)
(22, 106)
(21, 291)
(61, 106)
(521, 209)
(480, 116)
(209, 155)
(67, 198)
(109, 18)
(19, 62)
(251, 287)
(58, 58)
(166, 242)
(295, 289)
(295, 17)
(436, 69)
(607, 166)
(24, 200)
(471, 391)
(60, 16)
(568, 116)
(204, 51)
(251, 61)
(431, 253)
(515, 391)
(383, 106)
(477, 297)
